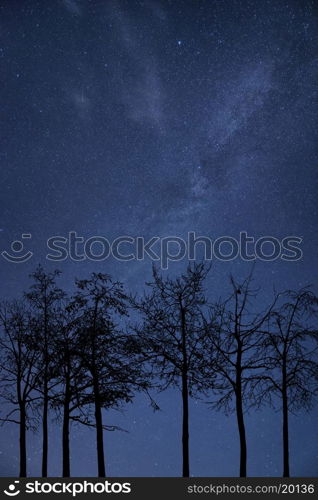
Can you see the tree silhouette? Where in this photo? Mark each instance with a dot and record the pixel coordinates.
(105, 352)
(19, 373)
(289, 351)
(69, 394)
(44, 296)
(233, 333)
(170, 336)
(79, 356)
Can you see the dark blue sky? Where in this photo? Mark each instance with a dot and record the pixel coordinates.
(158, 118)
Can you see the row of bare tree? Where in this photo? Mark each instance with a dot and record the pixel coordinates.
(76, 356)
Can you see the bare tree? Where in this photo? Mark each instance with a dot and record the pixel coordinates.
(105, 352)
(170, 335)
(233, 334)
(44, 296)
(19, 373)
(289, 351)
(69, 393)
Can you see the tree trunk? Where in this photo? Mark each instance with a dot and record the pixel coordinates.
(45, 443)
(242, 434)
(99, 432)
(185, 427)
(98, 407)
(239, 411)
(285, 424)
(185, 399)
(66, 433)
(23, 459)
(45, 431)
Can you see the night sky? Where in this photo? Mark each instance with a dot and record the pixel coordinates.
(158, 118)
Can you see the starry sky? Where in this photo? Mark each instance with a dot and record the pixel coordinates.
(160, 117)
